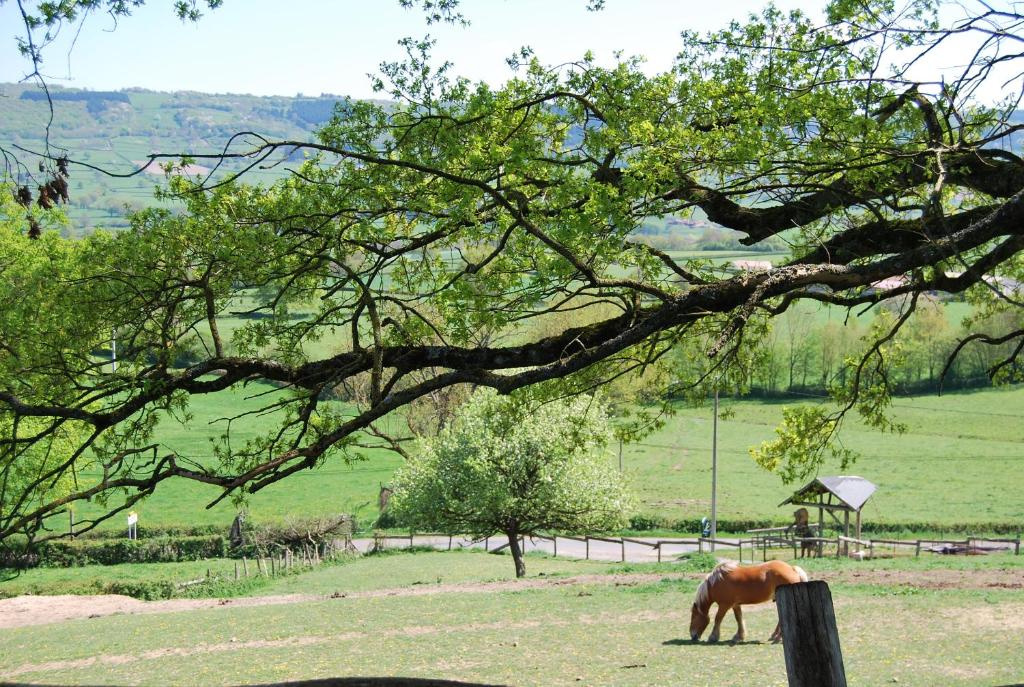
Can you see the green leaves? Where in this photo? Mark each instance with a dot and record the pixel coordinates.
(803, 440)
(509, 464)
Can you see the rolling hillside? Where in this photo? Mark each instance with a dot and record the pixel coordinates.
(115, 131)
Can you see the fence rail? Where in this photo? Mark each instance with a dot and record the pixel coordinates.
(288, 561)
(751, 544)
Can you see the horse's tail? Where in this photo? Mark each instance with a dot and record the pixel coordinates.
(802, 573)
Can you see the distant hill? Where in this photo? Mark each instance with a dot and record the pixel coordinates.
(116, 130)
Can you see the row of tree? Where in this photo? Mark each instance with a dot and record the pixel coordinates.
(806, 351)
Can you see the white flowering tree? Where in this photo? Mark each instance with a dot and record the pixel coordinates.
(514, 466)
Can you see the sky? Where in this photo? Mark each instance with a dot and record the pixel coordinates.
(270, 47)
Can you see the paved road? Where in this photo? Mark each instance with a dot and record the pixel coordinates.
(598, 550)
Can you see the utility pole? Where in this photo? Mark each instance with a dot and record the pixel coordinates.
(620, 454)
(714, 475)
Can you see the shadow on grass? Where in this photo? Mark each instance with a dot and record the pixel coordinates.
(691, 642)
(335, 682)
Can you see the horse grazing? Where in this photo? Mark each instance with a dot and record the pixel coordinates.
(731, 585)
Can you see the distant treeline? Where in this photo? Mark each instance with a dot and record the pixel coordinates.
(805, 355)
(95, 101)
(314, 110)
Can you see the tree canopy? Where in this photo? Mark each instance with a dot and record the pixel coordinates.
(433, 239)
(509, 465)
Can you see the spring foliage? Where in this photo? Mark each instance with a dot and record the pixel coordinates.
(508, 465)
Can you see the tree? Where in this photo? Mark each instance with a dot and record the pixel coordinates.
(510, 465)
(777, 128)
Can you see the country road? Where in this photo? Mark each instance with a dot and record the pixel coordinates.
(630, 552)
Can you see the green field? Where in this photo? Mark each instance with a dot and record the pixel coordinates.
(959, 462)
(396, 618)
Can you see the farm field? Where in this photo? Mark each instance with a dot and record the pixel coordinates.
(940, 472)
(898, 622)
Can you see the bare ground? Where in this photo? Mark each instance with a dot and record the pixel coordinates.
(36, 610)
(678, 615)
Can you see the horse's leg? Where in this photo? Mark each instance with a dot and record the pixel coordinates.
(722, 610)
(741, 629)
(776, 636)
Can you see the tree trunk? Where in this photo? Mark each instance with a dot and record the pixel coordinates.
(517, 553)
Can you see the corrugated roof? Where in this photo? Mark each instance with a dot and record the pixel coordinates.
(851, 490)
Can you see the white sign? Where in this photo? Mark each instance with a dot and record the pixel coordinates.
(133, 518)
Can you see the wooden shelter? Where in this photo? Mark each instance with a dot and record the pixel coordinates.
(843, 493)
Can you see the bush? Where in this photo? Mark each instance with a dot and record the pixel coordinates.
(297, 534)
(69, 553)
(149, 532)
(643, 523)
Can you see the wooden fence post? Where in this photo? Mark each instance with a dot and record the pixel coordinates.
(586, 538)
(554, 542)
(810, 638)
(623, 550)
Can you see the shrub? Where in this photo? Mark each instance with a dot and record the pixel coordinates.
(295, 535)
(64, 553)
(642, 523)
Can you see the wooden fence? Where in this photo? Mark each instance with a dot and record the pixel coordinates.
(285, 562)
(703, 544)
(872, 548)
(310, 556)
(750, 545)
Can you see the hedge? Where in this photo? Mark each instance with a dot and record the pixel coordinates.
(63, 553)
(641, 523)
(149, 532)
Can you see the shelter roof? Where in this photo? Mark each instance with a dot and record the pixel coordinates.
(851, 490)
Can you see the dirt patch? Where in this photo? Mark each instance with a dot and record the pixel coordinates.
(929, 579)
(993, 618)
(120, 659)
(615, 619)
(37, 610)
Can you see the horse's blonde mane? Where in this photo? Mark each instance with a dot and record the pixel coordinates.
(704, 590)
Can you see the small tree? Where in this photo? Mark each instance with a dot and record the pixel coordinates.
(510, 465)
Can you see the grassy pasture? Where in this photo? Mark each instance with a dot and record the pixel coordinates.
(94, 579)
(599, 631)
(336, 487)
(959, 462)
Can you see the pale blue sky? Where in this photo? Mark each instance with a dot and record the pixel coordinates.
(269, 47)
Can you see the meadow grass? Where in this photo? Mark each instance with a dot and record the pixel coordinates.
(345, 574)
(98, 579)
(627, 633)
(958, 463)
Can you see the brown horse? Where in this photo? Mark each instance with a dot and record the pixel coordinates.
(731, 585)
